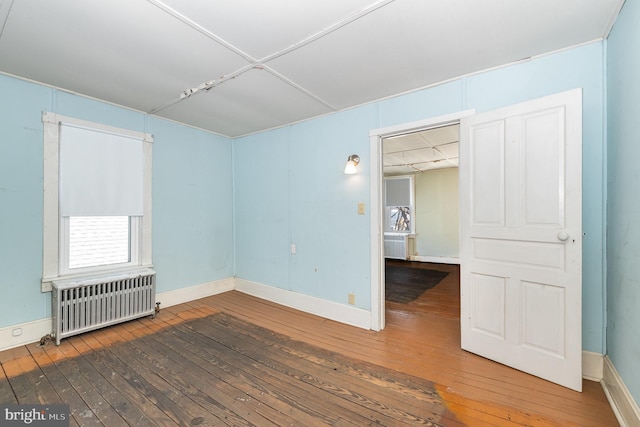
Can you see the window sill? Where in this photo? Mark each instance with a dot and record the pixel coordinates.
(399, 233)
(112, 274)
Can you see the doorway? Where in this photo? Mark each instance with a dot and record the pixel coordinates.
(411, 148)
(420, 210)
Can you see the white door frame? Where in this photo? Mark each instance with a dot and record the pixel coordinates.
(376, 180)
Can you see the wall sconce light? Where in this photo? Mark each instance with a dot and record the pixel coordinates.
(352, 162)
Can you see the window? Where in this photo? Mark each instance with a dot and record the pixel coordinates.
(97, 204)
(400, 218)
(95, 242)
(399, 206)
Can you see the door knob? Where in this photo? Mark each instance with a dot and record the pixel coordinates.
(563, 236)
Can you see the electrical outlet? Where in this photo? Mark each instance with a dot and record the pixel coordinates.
(352, 299)
(16, 332)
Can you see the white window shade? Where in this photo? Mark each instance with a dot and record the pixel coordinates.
(100, 173)
(398, 192)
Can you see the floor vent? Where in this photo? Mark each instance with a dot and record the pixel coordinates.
(81, 305)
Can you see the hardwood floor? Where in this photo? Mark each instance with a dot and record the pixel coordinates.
(421, 340)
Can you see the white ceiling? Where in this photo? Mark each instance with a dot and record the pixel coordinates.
(420, 151)
(263, 64)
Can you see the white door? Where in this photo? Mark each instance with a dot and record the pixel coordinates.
(521, 236)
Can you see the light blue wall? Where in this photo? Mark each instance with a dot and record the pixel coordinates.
(261, 191)
(623, 210)
(192, 206)
(192, 196)
(290, 189)
(21, 161)
(332, 241)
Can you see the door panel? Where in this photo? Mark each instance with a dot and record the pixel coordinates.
(521, 236)
(535, 254)
(543, 163)
(544, 329)
(488, 313)
(488, 191)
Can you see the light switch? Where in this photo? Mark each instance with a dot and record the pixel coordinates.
(360, 208)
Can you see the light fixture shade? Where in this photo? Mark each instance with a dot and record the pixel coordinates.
(352, 162)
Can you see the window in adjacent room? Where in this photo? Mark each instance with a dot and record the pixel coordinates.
(399, 205)
(400, 218)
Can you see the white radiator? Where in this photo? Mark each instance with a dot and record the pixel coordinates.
(81, 305)
(396, 246)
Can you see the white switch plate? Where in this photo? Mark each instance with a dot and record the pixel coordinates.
(360, 208)
(293, 248)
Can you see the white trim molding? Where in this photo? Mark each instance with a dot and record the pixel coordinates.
(191, 293)
(376, 180)
(624, 406)
(435, 259)
(328, 309)
(592, 366)
(26, 333)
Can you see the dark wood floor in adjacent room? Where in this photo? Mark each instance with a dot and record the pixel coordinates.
(160, 378)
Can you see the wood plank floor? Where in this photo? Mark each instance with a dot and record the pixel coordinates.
(421, 340)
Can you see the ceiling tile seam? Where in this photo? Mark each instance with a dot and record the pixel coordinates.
(409, 150)
(328, 30)
(5, 9)
(253, 63)
(259, 64)
(430, 146)
(436, 144)
(419, 163)
(204, 87)
(397, 160)
(296, 86)
(441, 153)
(193, 24)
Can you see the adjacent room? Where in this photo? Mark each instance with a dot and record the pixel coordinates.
(358, 212)
(421, 220)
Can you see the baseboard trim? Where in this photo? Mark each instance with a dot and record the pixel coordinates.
(30, 332)
(179, 296)
(330, 310)
(434, 259)
(595, 367)
(592, 366)
(623, 404)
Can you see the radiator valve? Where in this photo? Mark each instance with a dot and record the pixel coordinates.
(44, 340)
(157, 310)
